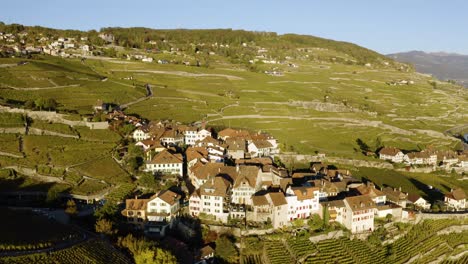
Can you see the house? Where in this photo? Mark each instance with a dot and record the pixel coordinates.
(216, 150)
(236, 148)
(150, 144)
(233, 133)
(369, 189)
(211, 199)
(456, 200)
(172, 137)
(246, 183)
(420, 158)
(193, 134)
(194, 155)
(359, 213)
(395, 196)
(302, 201)
(259, 148)
(335, 210)
(135, 211)
(391, 154)
(141, 133)
(270, 207)
(418, 202)
(201, 173)
(163, 206)
(166, 163)
(447, 158)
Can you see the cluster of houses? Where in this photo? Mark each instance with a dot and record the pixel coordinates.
(61, 46)
(252, 188)
(425, 157)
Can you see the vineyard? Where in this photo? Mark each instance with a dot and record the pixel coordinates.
(421, 244)
(91, 251)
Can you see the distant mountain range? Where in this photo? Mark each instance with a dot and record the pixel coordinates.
(444, 66)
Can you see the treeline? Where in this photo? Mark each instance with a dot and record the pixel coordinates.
(202, 40)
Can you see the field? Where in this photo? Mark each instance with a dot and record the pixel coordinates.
(422, 243)
(304, 109)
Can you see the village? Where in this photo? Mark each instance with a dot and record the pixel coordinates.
(233, 176)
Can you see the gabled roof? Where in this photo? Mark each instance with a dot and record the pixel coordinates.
(261, 144)
(235, 144)
(394, 194)
(229, 132)
(369, 189)
(413, 197)
(136, 204)
(457, 194)
(168, 196)
(360, 202)
(165, 157)
(217, 186)
(247, 174)
(259, 200)
(210, 170)
(389, 151)
(304, 192)
(196, 153)
(277, 198)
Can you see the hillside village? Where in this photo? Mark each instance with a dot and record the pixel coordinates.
(232, 176)
(211, 175)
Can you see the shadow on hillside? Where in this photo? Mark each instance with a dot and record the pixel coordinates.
(17, 191)
(431, 195)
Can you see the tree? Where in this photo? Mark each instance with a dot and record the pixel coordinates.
(105, 227)
(50, 104)
(226, 250)
(108, 210)
(71, 209)
(389, 217)
(29, 104)
(39, 103)
(144, 252)
(362, 145)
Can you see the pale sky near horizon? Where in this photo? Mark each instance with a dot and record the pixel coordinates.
(384, 26)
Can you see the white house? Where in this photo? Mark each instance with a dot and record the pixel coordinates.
(166, 163)
(302, 202)
(369, 189)
(193, 134)
(211, 199)
(456, 199)
(392, 154)
(259, 148)
(141, 133)
(359, 213)
(246, 183)
(271, 207)
(418, 201)
(172, 137)
(420, 158)
(163, 206)
(236, 148)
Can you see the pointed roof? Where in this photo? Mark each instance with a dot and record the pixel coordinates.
(247, 174)
(360, 202)
(457, 194)
(389, 151)
(277, 198)
(165, 157)
(304, 192)
(168, 196)
(217, 186)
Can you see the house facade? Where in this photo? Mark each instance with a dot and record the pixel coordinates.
(359, 213)
(166, 163)
(391, 154)
(456, 200)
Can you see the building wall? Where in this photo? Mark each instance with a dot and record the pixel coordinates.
(172, 168)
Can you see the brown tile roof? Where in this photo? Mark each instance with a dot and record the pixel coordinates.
(304, 193)
(389, 151)
(278, 198)
(136, 204)
(421, 155)
(369, 189)
(259, 200)
(217, 186)
(394, 194)
(211, 170)
(360, 202)
(256, 161)
(229, 132)
(261, 144)
(285, 182)
(334, 203)
(247, 174)
(196, 153)
(165, 157)
(169, 196)
(457, 194)
(235, 144)
(413, 197)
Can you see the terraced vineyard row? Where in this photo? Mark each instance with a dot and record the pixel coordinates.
(93, 251)
(275, 252)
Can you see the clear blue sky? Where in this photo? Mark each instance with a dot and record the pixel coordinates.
(385, 26)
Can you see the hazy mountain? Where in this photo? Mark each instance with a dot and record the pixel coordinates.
(444, 66)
